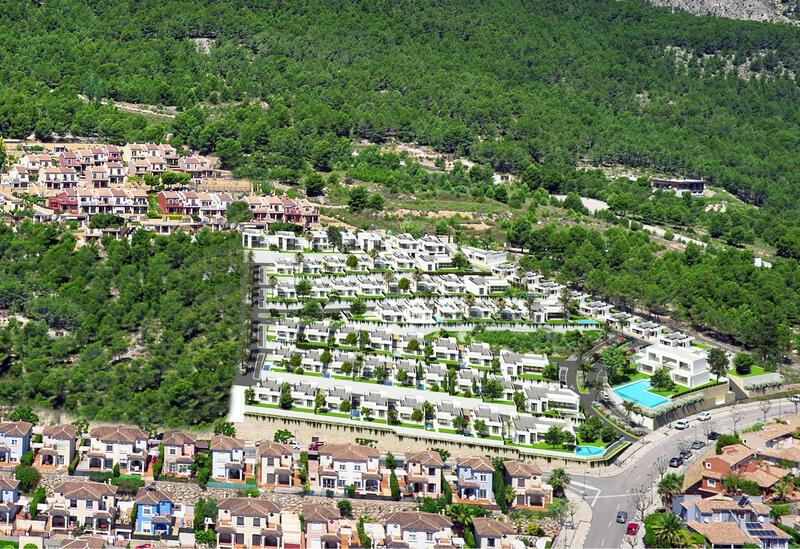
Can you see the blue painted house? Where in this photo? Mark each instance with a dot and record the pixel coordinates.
(9, 498)
(15, 441)
(474, 479)
(153, 512)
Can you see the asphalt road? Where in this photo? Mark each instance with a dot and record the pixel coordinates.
(608, 492)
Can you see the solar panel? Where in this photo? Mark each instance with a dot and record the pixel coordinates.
(744, 501)
(750, 525)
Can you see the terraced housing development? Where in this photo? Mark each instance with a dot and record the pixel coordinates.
(393, 367)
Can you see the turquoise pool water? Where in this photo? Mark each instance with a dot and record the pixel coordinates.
(589, 451)
(586, 321)
(638, 392)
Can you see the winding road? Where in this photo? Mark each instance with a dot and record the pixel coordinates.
(610, 489)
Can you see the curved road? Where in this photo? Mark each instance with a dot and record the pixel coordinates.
(609, 490)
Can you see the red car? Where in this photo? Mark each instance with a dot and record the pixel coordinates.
(144, 546)
(633, 529)
(316, 445)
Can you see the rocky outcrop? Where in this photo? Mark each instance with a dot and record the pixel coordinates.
(773, 11)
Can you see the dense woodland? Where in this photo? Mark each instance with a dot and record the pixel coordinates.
(146, 332)
(529, 88)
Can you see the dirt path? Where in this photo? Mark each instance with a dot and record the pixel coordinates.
(168, 112)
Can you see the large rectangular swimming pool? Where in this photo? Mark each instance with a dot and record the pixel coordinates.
(638, 392)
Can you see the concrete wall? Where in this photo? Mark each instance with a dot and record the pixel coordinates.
(259, 427)
(738, 385)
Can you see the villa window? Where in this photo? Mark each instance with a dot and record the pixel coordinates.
(521, 483)
(711, 482)
(239, 521)
(429, 536)
(109, 448)
(146, 511)
(73, 503)
(256, 521)
(89, 504)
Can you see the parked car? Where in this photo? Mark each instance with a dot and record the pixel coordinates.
(685, 454)
(796, 397)
(144, 546)
(682, 424)
(698, 444)
(633, 529)
(713, 435)
(604, 396)
(703, 416)
(622, 517)
(676, 462)
(315, 446)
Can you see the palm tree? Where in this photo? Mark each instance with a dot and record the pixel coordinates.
(500, 303)
(559, 480)
(298, 260)
(565, 298)
(669, 531)
(629, 407)
(469, 301)
(373, 254)
(521, 272)
(272, 282)
(388, 278)
(782, 489)
(668, 488)
(585, 369)
(417, 276)
(596, 386)
(530, 301)
(510, 495)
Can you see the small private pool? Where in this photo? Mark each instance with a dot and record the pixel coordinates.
(589, 451)
(638, 392)
(586, 321)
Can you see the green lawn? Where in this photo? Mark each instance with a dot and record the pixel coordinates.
(334, 414)
(580, 387)
(412, 425)
(631, 376)
(676, 390)
(531, 376)
(700, 345)
(754, 371)
(450, 431)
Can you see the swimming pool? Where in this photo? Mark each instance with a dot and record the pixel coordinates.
(638, 392)
(589, 451)
(586, 321)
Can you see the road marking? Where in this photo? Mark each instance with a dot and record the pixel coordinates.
(576, 485)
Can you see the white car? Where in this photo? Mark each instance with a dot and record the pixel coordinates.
(681, 424)
(703, 416)
(796, 398)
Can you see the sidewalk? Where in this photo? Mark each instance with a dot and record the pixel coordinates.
(576, 533)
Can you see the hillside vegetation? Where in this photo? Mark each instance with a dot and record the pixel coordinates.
(145, 333)
(532, 88)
